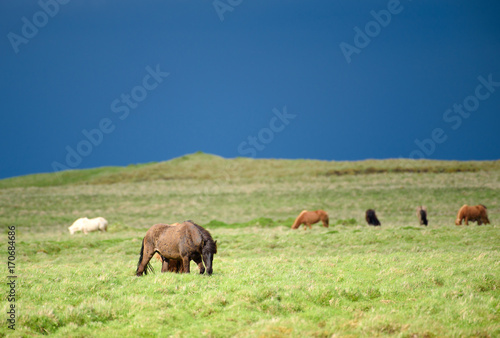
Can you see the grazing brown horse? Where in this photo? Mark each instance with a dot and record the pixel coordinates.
(310, 217)
(371, 217)
(182, 243)
(422, 215)
(474, 213)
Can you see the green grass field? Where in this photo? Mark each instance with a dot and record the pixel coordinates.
(348, 280)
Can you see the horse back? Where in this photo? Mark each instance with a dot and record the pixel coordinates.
(322, 214)
(155, 234)
(472, 212)
(481, 211)
(173, 242)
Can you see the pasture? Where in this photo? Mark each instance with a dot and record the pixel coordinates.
(400, 279)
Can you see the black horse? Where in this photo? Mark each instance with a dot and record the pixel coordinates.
(371, 217)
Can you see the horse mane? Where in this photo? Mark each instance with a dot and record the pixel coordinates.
(209, 244)
(462, 211)
(298, 220)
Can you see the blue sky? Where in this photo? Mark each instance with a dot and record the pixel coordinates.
(95, 83)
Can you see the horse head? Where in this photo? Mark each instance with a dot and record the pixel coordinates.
(209, 250)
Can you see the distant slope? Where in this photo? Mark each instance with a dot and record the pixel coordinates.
(201, 166)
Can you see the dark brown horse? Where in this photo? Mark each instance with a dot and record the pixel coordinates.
(371, 217)
(177, 244)
(422, 215)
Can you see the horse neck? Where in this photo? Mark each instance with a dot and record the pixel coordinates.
(300, 218)
(208, 242)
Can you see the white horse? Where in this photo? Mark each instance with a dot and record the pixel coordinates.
(88, 225)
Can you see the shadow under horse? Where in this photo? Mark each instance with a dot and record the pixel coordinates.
(177, 245)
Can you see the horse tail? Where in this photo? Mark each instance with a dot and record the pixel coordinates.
(484, 214)
(148, 266)
(326, 219)
(298, 220)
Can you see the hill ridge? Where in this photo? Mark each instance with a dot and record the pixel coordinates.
(203, 166)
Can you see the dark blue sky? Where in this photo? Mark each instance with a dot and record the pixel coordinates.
(93, 83)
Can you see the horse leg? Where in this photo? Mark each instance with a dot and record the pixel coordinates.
(185, 263)
(175, 266)
(466, 220)
(197, 259)
(164, 264)
(147, 254)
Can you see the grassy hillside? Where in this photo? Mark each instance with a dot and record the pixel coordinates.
(401, 279)
(201, 166)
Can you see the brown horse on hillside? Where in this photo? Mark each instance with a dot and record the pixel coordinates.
(475, 213)
(177, 245)
(310, 217)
